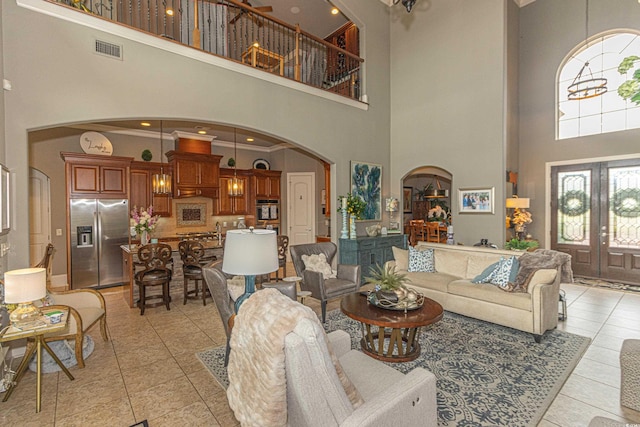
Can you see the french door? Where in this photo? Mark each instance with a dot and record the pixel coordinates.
(595, 217)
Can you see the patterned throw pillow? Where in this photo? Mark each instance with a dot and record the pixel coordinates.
(500, 273)
(318, 263)
(422, 261)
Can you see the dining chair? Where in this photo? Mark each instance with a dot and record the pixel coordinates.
(155, 257)
(433, 232)
(418, 232)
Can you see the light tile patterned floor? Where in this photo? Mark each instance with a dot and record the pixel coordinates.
(148, 370)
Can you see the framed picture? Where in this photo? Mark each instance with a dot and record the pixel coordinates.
(476, 200)
(366, 183)
(407, 197)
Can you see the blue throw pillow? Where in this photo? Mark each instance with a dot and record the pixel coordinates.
(421, 261)
(500, 273)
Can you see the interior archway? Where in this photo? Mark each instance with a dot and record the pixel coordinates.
(422, 184)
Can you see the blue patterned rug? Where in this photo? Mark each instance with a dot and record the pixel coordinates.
(487, 375)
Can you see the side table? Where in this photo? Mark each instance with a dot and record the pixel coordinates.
(35, 343)
(301, 294)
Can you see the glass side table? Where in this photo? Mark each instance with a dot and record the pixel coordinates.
(301, 294)
(35, 343)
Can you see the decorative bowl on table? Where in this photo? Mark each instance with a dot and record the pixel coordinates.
(399, 300)
(373, 230)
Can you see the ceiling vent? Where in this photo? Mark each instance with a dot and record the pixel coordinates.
(108, 49)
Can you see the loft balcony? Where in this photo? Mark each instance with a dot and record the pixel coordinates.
(237, 32)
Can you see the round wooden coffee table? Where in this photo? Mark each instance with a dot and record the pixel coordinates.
(396, 337)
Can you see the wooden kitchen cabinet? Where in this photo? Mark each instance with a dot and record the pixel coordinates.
(96, 176)
(141, 192)
(228, 205)
(266, 184)
(195, 174)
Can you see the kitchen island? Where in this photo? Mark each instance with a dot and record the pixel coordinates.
(130, 258)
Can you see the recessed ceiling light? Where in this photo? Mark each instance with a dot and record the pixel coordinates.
(295, 9)
(249, 139)
(145, 124)
(335, 11)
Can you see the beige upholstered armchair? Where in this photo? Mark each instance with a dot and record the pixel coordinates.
(346, 281)
(86, 308)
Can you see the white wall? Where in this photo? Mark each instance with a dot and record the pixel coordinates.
(541, 53)
(448, 70)
(58, 80)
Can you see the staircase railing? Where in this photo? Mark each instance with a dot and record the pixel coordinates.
(233, 30)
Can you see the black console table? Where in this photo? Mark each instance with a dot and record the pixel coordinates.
(369, 251)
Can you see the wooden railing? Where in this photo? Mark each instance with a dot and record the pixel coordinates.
(233, 30)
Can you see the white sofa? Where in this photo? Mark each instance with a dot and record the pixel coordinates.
(534, 311)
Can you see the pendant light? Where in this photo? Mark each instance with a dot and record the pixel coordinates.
(161, 182)
(236, 186)
(584, 85)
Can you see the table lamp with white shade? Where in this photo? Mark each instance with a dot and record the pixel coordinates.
(249, 253)
(22, 287)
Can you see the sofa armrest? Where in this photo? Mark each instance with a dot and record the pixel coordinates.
(339, 342)
(413, 399)
(349, 272)
(544, 288)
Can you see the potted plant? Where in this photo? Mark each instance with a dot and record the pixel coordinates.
(520, 245)
(390, 284)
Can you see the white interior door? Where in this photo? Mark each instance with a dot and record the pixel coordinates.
(301, 200)
(39, 215)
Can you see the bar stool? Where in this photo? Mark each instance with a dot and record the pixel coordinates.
(193, 258)
(155, 257)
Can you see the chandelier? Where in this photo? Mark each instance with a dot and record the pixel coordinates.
(161, 182)
(235, 186)
(406, 3)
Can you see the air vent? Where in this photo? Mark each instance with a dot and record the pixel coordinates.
(109, 49)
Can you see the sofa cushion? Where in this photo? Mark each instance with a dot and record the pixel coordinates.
(319, 264)
(435, 281)
(401, 256)
(490, 293)
(451, 262)
(421, 260)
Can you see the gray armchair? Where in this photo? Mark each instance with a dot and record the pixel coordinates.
(347, 280)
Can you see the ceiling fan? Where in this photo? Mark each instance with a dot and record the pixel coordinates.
(242, 11)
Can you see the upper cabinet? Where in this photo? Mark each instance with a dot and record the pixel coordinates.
(266, 184)
(141, 193)
(231, 205)
(96, 176)
(195, 174)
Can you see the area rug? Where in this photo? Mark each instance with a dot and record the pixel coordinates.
(65, 350)
(599, 283)
(487, 375)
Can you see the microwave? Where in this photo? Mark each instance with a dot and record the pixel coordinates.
(267, 211)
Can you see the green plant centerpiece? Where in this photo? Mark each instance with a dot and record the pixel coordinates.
(390, 291)
(520, 245)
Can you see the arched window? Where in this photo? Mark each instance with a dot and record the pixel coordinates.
(605, 113)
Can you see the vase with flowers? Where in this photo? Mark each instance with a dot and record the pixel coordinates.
(519, 221)
(144, 222)
(353, 206)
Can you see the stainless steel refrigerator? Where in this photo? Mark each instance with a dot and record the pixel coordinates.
(98, 228)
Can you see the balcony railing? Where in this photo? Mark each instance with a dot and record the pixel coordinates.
(233, 30)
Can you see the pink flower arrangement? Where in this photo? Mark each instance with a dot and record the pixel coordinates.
(144, 220)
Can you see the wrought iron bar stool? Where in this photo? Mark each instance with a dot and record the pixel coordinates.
(155, 257)
(193, 258)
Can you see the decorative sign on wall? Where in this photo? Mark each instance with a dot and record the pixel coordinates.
(96, 143)
(190, 214)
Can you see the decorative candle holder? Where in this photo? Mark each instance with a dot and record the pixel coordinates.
(345, 231)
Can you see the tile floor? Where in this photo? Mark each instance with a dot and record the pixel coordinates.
(148, 370)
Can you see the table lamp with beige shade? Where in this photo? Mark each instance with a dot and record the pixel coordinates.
(520, 217)
(250, 252)
(22, 287)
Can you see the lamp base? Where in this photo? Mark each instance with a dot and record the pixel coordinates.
(25, 313)
(249, 288)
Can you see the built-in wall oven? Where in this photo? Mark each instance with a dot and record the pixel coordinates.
(268, 210)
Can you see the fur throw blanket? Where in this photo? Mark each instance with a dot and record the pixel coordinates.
(530, 262)
(257, 390)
